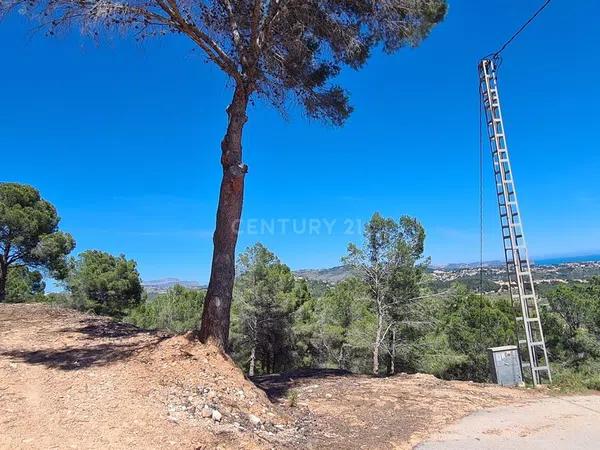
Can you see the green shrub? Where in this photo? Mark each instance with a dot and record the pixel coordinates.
(178, 310)
(581, 378)
(472, 324)
(24, 285)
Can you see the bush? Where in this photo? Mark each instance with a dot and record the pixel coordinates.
(24, 285)
(104, 284)
(569, 379)
(178, 310)
(472, 325)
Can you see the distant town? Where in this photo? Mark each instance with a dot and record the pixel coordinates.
(441, 277)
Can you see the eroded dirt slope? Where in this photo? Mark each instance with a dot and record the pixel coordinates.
(71, 380)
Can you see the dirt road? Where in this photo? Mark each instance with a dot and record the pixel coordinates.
(558, 423)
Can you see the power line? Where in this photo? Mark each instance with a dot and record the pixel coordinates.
(520, 30)
(480, 216)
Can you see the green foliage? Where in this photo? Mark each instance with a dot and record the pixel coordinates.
(24, 285)
(570, 379)
(104, 283)
(433, 355)
(344, 326)
(29, 235)
(265, 301)
(390, 264)
(572, 322)
(314, 40)
(317, 288)
(178, 310)
(472, 324)
(62, 299)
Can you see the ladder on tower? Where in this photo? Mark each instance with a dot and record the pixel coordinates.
(530, 337)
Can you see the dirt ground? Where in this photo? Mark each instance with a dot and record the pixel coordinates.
(362, 412)
(71, 380)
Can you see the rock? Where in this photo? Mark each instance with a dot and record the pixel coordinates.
(206, 412)
(216, 415)
(254, 420)
(328, 395)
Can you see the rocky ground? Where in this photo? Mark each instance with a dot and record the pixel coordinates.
(71, 380)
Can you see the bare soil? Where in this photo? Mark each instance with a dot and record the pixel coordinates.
(363, 412)
(72, 380)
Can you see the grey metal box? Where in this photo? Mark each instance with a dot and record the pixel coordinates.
(505, 366)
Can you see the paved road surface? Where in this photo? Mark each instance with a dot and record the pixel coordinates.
(552, 423)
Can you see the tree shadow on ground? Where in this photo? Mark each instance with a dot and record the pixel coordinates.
(95, 328)
(276, 386)
(81, 357)
(86, 355)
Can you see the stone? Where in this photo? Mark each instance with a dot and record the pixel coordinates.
(216, 415)
(206, 412)
(254, 420)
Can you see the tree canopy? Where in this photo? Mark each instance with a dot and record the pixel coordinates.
(24, 285)
(266, 297)
(390, 264)
(277, 50)
(104, 283)
(29, 234)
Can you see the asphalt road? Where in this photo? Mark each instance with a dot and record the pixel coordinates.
(555, 423)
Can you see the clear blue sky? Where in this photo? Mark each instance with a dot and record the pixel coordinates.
(124, 139)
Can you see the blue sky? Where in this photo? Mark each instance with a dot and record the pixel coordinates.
(124, 139)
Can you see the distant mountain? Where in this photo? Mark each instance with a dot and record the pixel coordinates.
(164, 284)
(567, 268)
(545, 270)
(332, 275)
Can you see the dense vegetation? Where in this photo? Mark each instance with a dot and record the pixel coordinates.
(385, 318)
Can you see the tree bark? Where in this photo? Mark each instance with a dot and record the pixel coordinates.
(253, 352)
(3, 276)
(2, 286)
(217, 303)
(393, 353)
(377, 343)
(252, 361)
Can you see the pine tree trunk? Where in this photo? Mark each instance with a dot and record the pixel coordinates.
(393, 353)
(377, 343)
(3, 277)
(217, 303)
(252, 361)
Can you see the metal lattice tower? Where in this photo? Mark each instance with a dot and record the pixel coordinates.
(532, 347)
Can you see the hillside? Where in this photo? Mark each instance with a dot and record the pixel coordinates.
(442, 277)
(69, 379)
(72, 380)
(494, 274)
(332, 275)
(164, 284)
